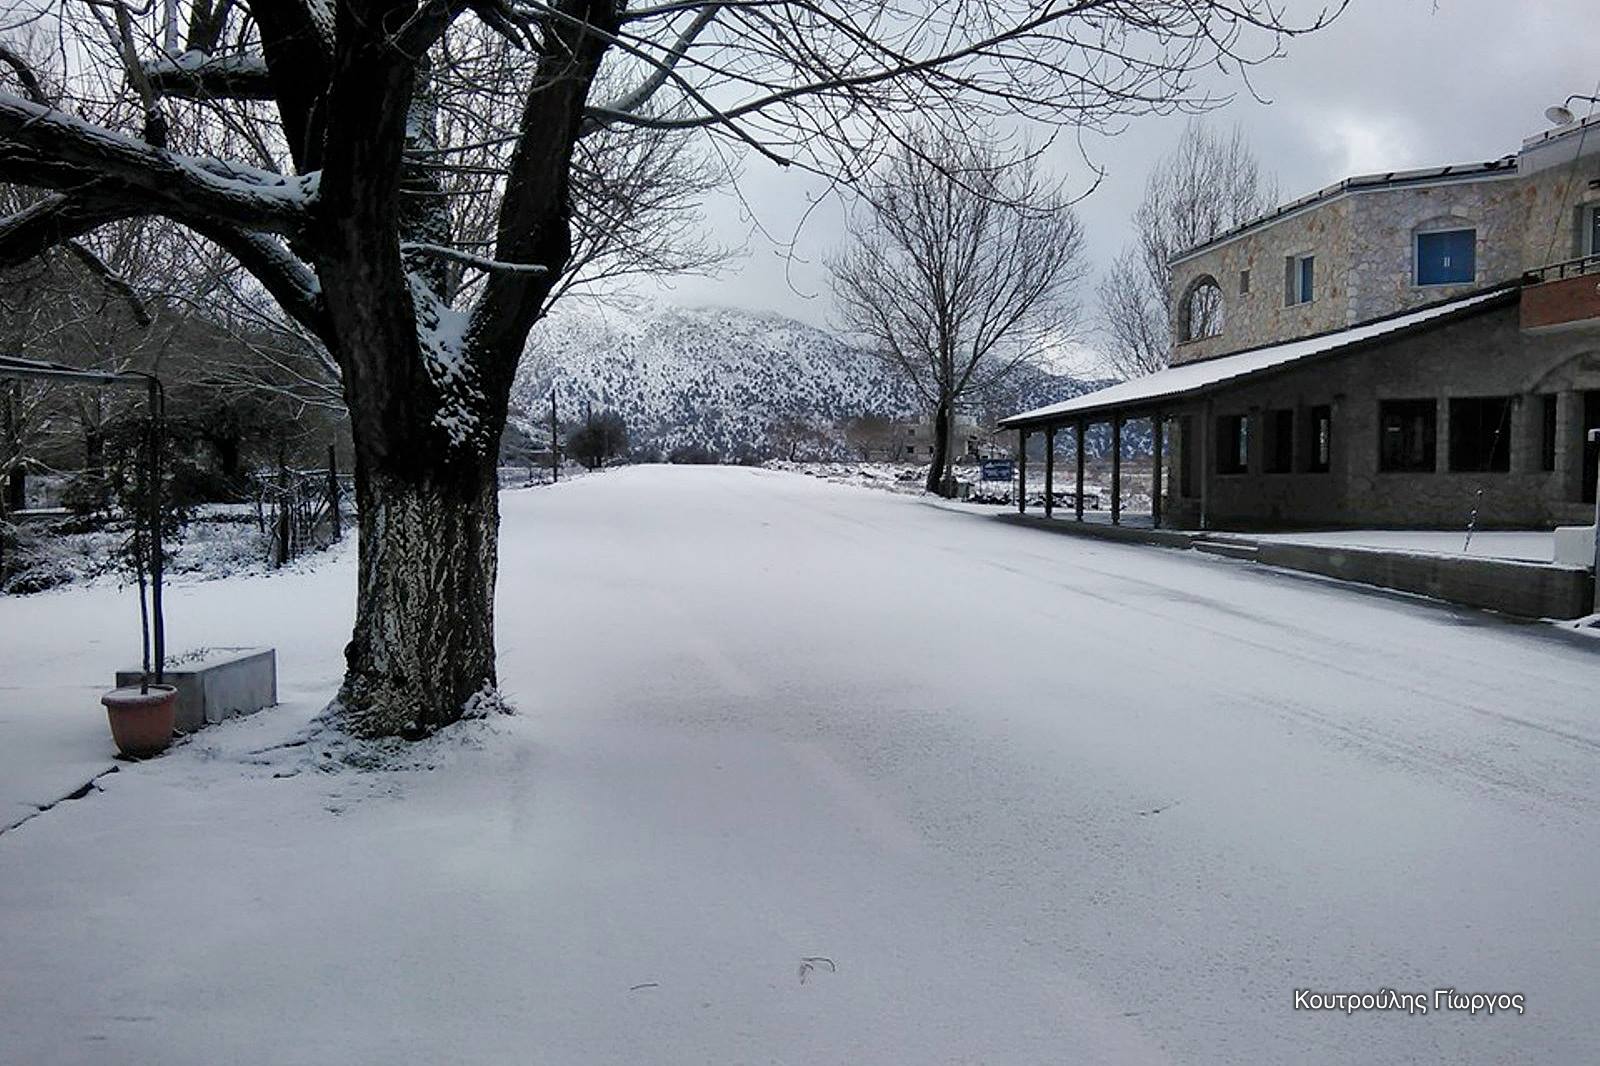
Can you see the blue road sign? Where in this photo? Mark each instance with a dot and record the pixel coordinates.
(997, 470)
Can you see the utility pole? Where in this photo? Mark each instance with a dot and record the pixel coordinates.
(555, 446)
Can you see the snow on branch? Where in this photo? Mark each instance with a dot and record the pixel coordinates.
(43, 147)
(468, 259)
(630, 102)
(195, 75)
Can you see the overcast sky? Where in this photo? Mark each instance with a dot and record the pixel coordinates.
(1393, 84)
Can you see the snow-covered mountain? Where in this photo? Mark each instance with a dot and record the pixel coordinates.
(716, 377)
(725, 379)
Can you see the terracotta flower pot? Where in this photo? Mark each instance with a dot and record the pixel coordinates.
(141, 722)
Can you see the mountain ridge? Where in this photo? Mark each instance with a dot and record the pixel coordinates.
(724, 379)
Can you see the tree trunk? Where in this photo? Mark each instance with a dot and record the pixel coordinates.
(941, 449)
(94, 449)
(17, 489)
(424, 634)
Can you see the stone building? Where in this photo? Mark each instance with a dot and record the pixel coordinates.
(1415, 348)
(967, 439)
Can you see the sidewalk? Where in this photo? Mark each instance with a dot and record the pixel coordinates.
(1503, 571)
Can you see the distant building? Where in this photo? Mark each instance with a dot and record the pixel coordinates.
(1399, 349)
(968, 441)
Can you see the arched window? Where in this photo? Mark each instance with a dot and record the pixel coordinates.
(1200, 313)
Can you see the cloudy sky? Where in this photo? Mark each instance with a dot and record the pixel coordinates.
(1393, 84)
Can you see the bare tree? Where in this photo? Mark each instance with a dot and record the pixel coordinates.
(1210, 183)
(600, 438)
(790, 435)
(962, 269)
(872, 433)
(320, 143)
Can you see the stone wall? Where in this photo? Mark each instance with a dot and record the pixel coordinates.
(1480, 355)
(1382, 269)
(1364, 241)
(1261, 315)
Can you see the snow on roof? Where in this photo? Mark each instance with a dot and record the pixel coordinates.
(1208, 373)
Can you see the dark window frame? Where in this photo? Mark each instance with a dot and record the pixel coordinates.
(1297, 271)
(1480, 434)
(1408, 436)
(1189, 457)
(1277, 438)
(1319, 439)
(1547, 432)
(1233, 444)
(1458, 275)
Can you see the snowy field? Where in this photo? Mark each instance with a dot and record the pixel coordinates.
(810, 774)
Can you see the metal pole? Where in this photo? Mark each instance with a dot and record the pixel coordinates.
(555, 448)
(159, 627)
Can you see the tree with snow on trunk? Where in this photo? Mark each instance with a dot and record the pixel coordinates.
(309, 139)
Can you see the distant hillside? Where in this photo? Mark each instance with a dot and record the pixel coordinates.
(714, 377)
(720, 378)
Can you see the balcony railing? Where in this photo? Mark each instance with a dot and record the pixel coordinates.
(1572, 268)
(1562, 295)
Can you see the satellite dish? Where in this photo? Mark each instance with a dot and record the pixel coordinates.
(1560, 116)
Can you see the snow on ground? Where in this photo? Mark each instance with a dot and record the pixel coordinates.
(1531, 545)
(806, 774)
(62, 648)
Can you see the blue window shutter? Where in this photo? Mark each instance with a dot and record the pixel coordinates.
(1448, 258)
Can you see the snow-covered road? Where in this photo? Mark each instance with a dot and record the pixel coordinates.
(811, 774)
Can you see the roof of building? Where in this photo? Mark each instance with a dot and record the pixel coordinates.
(1206, 374)
(1506, 166)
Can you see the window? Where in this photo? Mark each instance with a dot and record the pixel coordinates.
(1187, 457)
(1407, 432)
(1279, 439)
(1447, 257)
(1589, 238)
(1319, 440)
(1233, 444)
(1201, 313)
(1547, 432)
(1244, 283)
(1480, 434)
(1299, 279)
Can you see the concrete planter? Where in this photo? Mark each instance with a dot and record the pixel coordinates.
(141, 722)
(220, 684)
